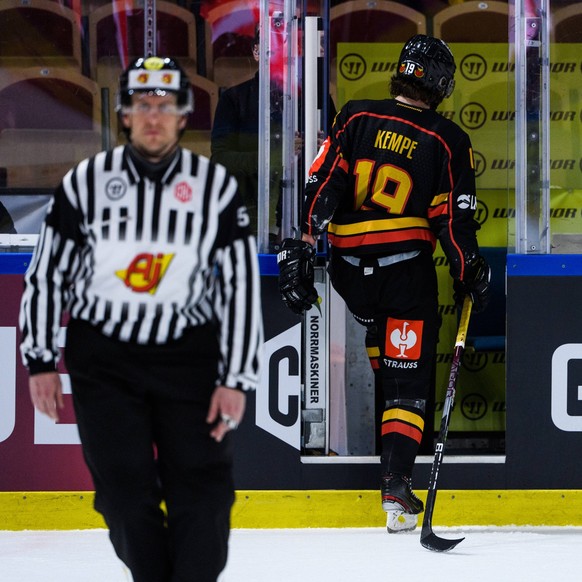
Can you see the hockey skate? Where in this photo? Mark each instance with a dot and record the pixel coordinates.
(400, 503)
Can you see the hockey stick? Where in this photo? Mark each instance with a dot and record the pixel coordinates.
(428, 538)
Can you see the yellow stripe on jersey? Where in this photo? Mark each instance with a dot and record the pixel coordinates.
(440, 199)
(377, 225)
(373, 352)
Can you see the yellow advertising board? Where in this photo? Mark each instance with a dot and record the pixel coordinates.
(483, 102)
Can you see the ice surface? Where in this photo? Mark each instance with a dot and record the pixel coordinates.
(317, 555)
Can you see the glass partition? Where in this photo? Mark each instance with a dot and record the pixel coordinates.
(564, 162)
(532, 127)
(548, 169)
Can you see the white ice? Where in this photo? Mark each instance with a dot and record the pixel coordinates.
(317, 555)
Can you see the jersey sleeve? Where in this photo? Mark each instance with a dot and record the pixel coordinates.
(328, 178)
(452, 213)
(46, 281)
(238, 297)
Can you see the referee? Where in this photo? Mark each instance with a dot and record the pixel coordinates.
(147, 248)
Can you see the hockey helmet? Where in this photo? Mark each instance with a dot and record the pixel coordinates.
(156, 75)
(429, 63)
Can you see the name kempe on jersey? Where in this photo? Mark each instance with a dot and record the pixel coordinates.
(392, 178)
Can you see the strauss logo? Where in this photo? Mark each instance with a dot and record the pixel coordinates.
(403, 339)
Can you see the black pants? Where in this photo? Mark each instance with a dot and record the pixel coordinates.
(398, 304)
(141, 413)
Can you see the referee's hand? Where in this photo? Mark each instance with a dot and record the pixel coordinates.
(227, 407)
(46, 393)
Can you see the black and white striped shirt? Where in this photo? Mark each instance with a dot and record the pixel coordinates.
(144, 259)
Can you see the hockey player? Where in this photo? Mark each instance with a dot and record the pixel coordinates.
(392, 178)
(148, 249)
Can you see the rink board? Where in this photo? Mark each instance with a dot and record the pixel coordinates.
(316, 509)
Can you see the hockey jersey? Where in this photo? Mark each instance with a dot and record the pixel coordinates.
(393, 178)
(144, 258)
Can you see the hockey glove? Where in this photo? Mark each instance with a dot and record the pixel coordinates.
(295, 260)
(475, 284)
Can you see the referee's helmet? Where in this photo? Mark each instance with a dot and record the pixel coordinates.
(158, 76)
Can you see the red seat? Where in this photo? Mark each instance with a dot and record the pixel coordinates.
(48, 98)
(205, 100)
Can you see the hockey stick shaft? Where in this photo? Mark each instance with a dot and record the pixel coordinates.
(427, 538)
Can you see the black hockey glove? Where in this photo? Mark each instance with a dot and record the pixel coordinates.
(476, 283)
(295, 260)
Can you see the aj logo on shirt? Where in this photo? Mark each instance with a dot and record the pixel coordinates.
(145, 272)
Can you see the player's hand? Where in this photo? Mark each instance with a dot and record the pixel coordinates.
(476, 283)
(227, 407)
(295, 260)
(46, 393)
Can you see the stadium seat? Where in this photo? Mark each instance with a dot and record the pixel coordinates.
(473, 21)
(116, 35)
(371, 21)
(39, 33)
(231, 26)
(566, 24)
(49, 120)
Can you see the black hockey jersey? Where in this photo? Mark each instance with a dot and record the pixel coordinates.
(393, 178)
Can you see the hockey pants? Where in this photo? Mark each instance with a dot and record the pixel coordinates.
(398, 304)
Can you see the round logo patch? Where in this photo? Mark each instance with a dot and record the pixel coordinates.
(183, 192)
(115, 189)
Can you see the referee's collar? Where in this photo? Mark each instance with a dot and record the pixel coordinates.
(139, 168)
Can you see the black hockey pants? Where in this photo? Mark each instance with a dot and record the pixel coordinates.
(141, 416)
(398, 304)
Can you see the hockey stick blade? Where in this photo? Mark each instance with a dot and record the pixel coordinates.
(428, 538)
(431, 541)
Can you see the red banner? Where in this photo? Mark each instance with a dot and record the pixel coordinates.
(36, 454)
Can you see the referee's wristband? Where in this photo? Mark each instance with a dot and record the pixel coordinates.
(40, 367)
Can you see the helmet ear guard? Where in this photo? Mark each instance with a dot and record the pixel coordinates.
(446, 86)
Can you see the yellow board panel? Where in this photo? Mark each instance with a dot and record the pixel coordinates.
(69, 510)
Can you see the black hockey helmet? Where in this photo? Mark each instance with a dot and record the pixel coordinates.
(429, 63)
(157, 75)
